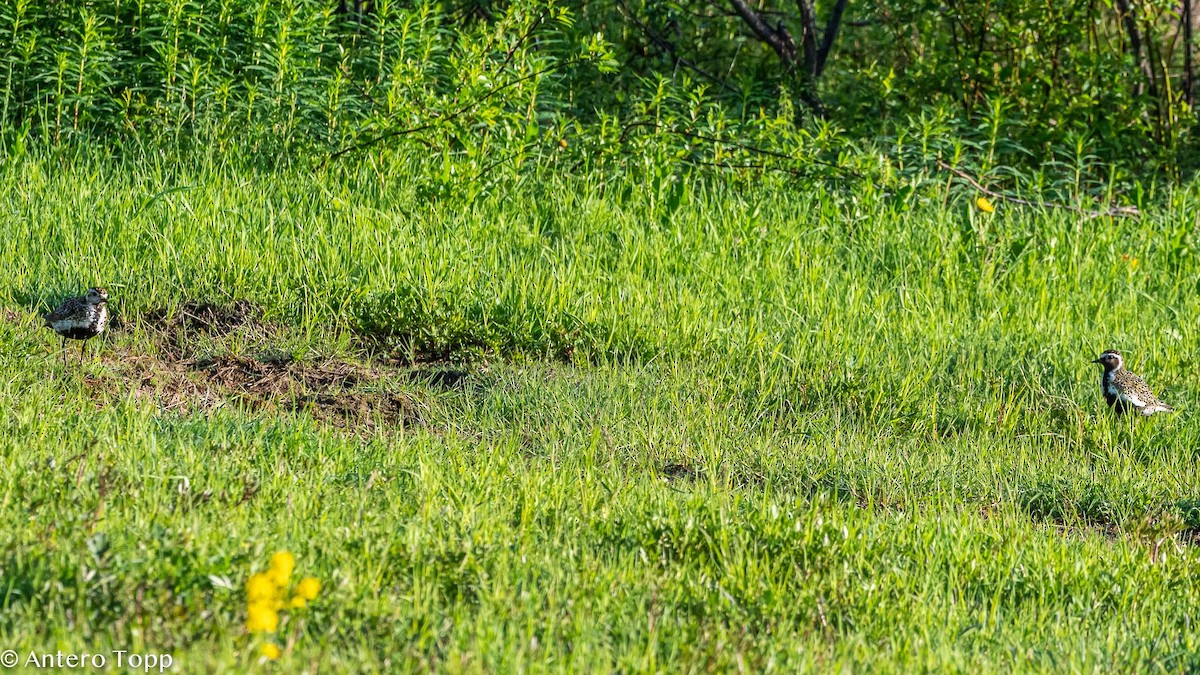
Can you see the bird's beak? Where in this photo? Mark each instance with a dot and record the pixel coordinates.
(1095, 360)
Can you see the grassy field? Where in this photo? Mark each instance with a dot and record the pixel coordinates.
(585, 425)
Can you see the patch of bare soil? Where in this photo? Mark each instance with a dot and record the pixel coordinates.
(340, 393)
(677, 471)
(347, 395)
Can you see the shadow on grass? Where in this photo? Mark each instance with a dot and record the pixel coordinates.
(414, 326)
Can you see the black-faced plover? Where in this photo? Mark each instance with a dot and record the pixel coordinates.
(1125, 391)
(80, 318)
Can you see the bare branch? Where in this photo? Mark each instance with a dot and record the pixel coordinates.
(808, 19)
(658, 129)
(1112, 211)
(1135, 45)
(1189, 78)
(778, 38)
(671, 48)
(831, 30)
(454, 114)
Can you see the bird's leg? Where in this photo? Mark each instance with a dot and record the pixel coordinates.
(82, 346)
(64, 352)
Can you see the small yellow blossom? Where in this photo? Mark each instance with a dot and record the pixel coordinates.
(282, 564)
(259, 588)
(261, 618)
(269, 650)
(984, 205)
(267, 595)
(308, 588)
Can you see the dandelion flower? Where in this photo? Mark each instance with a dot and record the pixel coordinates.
(259, 588)
(269, 650)
(984, 205)
(308, 588)
(297, 602)
(282, 564)
(261, 618)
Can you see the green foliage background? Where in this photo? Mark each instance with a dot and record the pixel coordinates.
(1045, 90)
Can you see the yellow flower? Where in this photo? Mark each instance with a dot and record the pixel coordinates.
(308, 588)
(298, 602)
(282, 564)
(269, 650)
(261, 618)
(984, 205)
(260, 588)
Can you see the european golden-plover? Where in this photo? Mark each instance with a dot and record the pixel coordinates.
(1125, 391)
(80, 318)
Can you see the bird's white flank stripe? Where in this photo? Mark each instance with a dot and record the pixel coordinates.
(1130, 397)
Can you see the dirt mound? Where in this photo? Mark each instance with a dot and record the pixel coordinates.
(338, 392)
(274, 375)
(343, 394)
(353, 396)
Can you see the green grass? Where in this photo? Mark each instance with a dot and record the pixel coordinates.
(719, 425)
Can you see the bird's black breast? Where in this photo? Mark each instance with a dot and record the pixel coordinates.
(78, 333)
